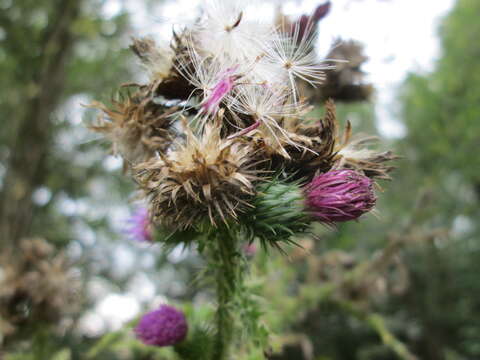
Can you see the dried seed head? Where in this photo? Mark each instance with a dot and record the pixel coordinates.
(316, 153)
(328, 150)
(37, 286)
(136, 126)
(207, 178)
(224, 32)
(354, 153)
(158, 59)
(268, 109)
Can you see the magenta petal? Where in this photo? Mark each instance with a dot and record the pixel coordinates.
(163, 327)
(220, 90)
(340, 195)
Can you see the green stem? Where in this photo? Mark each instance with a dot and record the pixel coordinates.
(227, 278)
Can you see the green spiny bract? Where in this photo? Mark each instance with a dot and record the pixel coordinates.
(279, 213)
(198, 345)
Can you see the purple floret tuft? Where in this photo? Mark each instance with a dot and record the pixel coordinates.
(140, 227)
(340, 195)
(163, 327)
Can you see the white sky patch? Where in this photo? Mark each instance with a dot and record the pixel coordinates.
(92, 324)
(400, 36)
(179, 253)
(141, 288)
(111, 8)
(112, 163)
(42, 195)
(124, 261)
(117, 309)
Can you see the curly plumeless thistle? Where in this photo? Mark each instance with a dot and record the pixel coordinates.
(224, 154)
(136, 126)
(204, 178)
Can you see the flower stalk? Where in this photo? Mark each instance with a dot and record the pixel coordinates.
(228, 280)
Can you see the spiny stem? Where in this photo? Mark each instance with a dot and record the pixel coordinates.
(226, 279)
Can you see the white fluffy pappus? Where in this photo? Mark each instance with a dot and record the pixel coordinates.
(295, 55)
(225, 31)
(268, 106)
(214, 79)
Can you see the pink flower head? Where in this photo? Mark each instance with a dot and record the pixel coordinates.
(220, 90)
(340, 195)
(140, 227)
(165, 326)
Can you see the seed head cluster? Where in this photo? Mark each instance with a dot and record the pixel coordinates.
(224, 114)
(206, 177)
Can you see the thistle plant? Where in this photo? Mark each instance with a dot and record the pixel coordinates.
(222, 149)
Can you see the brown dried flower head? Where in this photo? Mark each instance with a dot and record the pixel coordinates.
(36, 287)
(355, 153)
(318, 142)
(136, 126)
(206, 177)
(324, 149)
(157, 59)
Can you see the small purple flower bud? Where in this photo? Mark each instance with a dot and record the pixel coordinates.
(340, 195)
(306, 23)
(140, 228)
(321, 11)
(163, 327)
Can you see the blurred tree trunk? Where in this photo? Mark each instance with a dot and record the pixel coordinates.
(26, 168)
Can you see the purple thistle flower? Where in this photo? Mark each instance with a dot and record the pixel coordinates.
(340, 195)
(140, 227)
(162, 327)
(220, 90)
